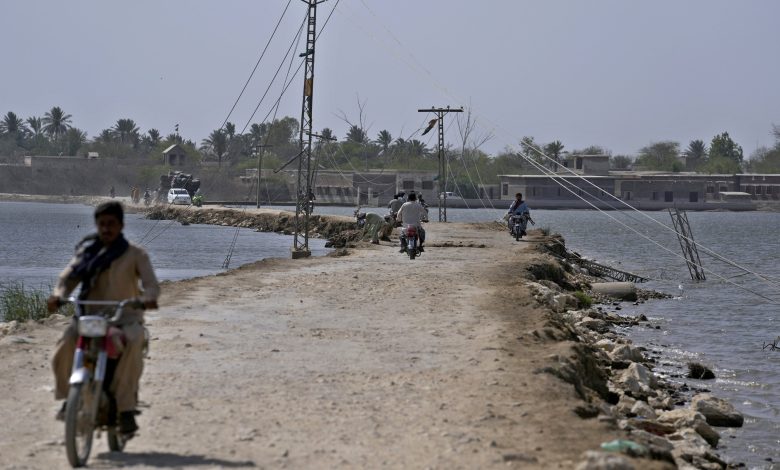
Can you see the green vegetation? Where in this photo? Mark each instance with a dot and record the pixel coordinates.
(661, 156)
(583, 299)
(54, 133)
(22, 304)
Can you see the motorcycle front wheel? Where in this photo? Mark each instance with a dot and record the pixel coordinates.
(79, 426)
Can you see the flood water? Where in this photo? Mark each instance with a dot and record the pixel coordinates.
(713, 322)
(37, 241)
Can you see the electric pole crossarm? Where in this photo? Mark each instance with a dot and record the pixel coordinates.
(440, 110)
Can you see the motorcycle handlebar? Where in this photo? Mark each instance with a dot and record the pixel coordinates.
(119, 304)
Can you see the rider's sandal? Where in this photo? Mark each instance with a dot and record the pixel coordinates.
(61, 413)
(127, 423)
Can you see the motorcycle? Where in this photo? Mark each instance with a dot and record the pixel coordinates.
(519, 223)
(90, 406)
(410, 241)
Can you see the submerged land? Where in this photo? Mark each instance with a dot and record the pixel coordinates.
(363, 359)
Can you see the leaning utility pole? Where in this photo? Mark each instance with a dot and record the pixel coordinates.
(688, 246)
(303, 208)
(442, 178)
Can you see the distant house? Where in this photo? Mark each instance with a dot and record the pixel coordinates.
(759, 186)
(587, 164)
(174, 156)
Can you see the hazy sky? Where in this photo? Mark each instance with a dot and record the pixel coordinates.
(615, 73)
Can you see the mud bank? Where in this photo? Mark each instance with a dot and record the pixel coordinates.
(63, 199)
(661, 421)
(262, 220)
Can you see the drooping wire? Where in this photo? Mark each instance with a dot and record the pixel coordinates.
(143, 239)
(232, 247)
(496, 126)
(705, 248)
(555, 178)
(257, 64)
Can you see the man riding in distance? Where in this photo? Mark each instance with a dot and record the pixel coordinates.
(108, 267)
(412, 213)
(518, 208)
(395, 204)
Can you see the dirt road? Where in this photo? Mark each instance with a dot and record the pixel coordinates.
(362, 361)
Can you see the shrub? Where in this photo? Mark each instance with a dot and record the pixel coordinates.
(583, 299)
(20, 304)
(17, 303)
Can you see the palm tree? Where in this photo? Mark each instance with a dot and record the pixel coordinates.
(154, 136)
(327, 134)
(384, 139)
(106, 136)
(56, 122)
(417, 148)
(126, 131)
(36, 125)
(12, 124)
(74, 139)
(697, 150)
(356, 134)
(230, 129)
(216, 143)
(553, 150)
(257, 132)
(174, 137)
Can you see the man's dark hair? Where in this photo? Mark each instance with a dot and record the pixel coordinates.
(412, 197)
(110, 208)
(520, 195)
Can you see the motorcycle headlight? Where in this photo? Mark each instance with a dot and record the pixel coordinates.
(92, 326)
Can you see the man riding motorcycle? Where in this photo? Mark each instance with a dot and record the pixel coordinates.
(108, 267)
(395, 205)
(412, 213)
(518, 208)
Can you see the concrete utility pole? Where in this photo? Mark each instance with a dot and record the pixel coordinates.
(442, 179)
(303, 208)
(259, 149)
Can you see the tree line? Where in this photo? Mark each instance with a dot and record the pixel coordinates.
(468, 165)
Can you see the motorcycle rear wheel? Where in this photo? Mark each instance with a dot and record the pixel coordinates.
(517, 234)
(79, 427)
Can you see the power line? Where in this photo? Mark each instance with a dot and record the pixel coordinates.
(235, 103)
(553, 176)
(442, 179)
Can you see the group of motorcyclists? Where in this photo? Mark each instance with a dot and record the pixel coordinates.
(406, 210)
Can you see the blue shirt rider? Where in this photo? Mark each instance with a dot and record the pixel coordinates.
(518, 207)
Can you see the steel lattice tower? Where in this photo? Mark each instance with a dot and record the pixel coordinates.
(304, 187)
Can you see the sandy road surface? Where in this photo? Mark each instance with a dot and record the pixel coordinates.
(363, 361)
